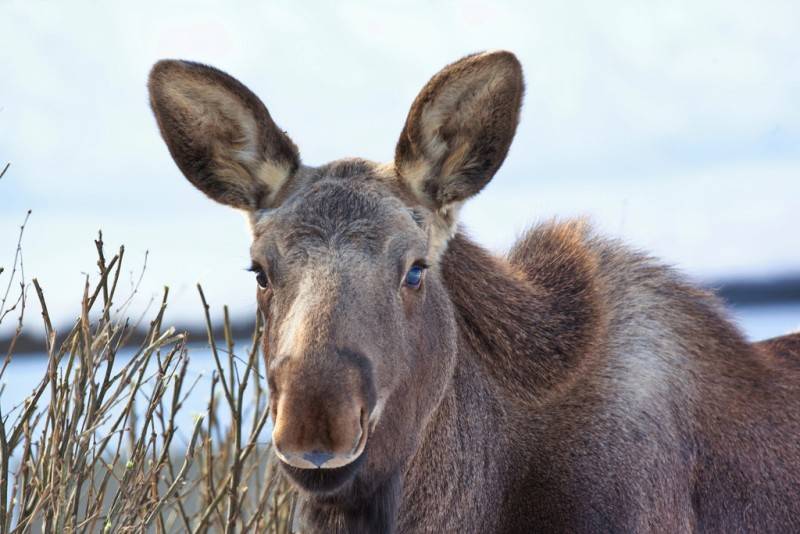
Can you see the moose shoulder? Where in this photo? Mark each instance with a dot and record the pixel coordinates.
(420, 384)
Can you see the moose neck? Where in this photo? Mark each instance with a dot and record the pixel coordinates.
(527, 327)
(533, 320)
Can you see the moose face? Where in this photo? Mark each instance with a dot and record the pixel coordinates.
(360, 338)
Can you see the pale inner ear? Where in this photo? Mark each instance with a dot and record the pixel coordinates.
(231, 130)
(450, 124)
(457, 134)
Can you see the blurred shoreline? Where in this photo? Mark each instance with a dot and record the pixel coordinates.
(736, 293)
(758, 292)
(28, 344)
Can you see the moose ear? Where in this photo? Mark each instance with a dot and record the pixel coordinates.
(459, 129)
(220, 134)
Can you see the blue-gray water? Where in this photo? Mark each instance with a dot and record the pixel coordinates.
(25, 372)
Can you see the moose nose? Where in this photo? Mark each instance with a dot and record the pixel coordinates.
(318, 436)
(321, 409)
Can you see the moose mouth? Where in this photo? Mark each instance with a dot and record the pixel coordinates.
(316, 480)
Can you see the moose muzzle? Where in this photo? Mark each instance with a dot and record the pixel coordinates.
(321, 412)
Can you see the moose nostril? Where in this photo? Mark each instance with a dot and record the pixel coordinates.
(317, 458)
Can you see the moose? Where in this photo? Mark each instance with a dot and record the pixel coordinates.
(419, 383)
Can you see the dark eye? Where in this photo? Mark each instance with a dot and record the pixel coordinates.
(414, 276)
(261, 276)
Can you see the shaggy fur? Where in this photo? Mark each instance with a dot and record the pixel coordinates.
(646, 411)
(571, 386)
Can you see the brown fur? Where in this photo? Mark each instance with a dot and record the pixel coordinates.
(708, 443)
(471, 108)
(199, 111)
(572, 386)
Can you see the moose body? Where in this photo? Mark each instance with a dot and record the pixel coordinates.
(421, 384)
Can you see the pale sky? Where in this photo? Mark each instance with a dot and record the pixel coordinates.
(674, 125)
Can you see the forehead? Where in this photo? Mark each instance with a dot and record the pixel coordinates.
(354, 210)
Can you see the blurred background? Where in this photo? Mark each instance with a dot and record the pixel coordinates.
(673, 125)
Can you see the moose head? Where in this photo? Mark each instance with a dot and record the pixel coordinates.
(360, 337)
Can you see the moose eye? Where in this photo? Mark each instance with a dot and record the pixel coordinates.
(414, 276)
(261, 276)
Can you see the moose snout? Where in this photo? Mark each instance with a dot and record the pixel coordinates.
(319, 435)
(321, 412)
